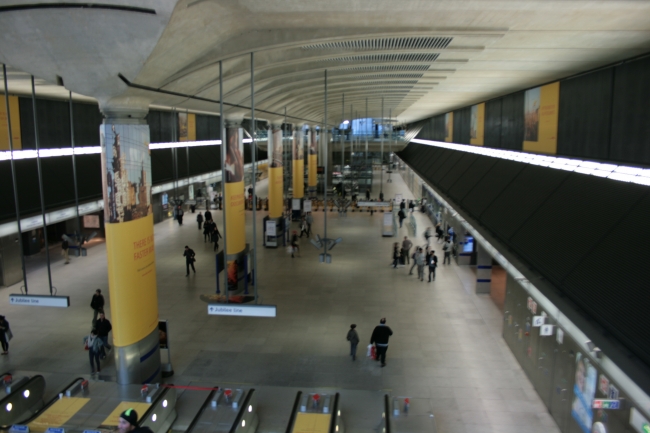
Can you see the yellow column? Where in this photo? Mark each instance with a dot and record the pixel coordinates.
(298, 164)
(312, 162)
(276, 185)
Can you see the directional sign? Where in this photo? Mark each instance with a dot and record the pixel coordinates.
(242, 310)
(538, 321)
(639, 423)
(546, 330)
(19, 428)
(40, 301)
(55, 430)
(601, 403)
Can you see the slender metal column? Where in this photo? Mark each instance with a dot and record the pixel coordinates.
(174, 164)
(325, 142)
(40, 185)
(342, 142)
(74, 174)
(390, 138)
(366, 134)
(254, 166)
(187, 155)
(13, 177)
(222, 134)
(381, 161)
(285, 162)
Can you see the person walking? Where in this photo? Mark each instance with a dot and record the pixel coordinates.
(446, 247)
(438, 233)
(427, 235)
(406, 248)
(5, 335)
(310, 220)
(420, 261)
(402, 205)
(94, 345)
(367, 193)
(415, 263)
(396, 254)
(179, 215)
(207, 230)
(97, 304)
(401, 215)
(303, 227)
(353, 338)
(411, 205)
(199, 219)
(432, 262)
(103, 328)
(64, 250)
(379, 338)
(208, 215)
(295, 244)
(214, 237)
(189, 260)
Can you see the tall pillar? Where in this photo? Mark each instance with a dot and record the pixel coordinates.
(483, 270)
(312, 162)
(298, 163)
(126, 176)
(276, 174)
(234, 196)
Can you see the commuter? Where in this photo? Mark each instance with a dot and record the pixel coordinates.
(414, 257)
(396, 254)
(433, 264)
(214, 237)
(103, 328)
(5, 335)
(420, 261)
(97, 304)
(64, 250)
(295, 244)
(303, 227)
(406, 248)
(193, 208)
(208, 215)
(353, 338)
(451, 234)
(128, 423)
(438, 233)
(367, 193)
(401, 215)
(427, 235)
(189, 260)
(199, 219)
(94, 345)
(381, 196)
(207, 230)
(179, 215)
(411, 205)
(310, 220)
(379, 338)
(446, 247)
(402, 205)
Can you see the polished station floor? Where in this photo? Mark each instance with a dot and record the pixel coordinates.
(446, 353)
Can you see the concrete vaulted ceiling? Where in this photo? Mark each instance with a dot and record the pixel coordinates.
(423, 57)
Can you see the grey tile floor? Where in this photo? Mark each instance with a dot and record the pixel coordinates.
(446, 352)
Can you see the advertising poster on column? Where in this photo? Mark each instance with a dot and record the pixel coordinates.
(541, 118)
(186, 127)
(584, 390)
(298, 164)
(234, 191)
(276, 183)
(129, 231)
(15, 124)
(477, 125)
(312, 161)
(449, 127)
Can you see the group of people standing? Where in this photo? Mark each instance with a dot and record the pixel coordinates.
(96, 343)
(210, 230)
(422, 257)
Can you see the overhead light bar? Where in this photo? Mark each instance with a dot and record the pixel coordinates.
(154, 146)
(620, 173)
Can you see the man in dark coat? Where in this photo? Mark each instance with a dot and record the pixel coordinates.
(97, 304)
(379, 338)
(189, 260)
(103, 327)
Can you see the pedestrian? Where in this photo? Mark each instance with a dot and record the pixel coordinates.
(207, 230)
(406, 247)
(367, 193)
(379, 338)
(179, 215)
(97, 304)
(128, 423)
(189, 260)
(411, 205)
(208, 215)
(451, 234)
(415, 263)
(295, 247)
(353, 338)
(402, 205)
(446, 247)
(199, 219)
(420, 261)
(214, 237)
(64, 250)
(103, 328)
(401, 215)
(438, 233)
(193, 208)
(5, 335)
(303, 227)
(310, 220)
(94, 346)
(427, 235)
(433, 264)
(396, 254)
(381, 196)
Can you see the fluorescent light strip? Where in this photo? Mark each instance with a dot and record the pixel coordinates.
(621, 173)
(154, 146)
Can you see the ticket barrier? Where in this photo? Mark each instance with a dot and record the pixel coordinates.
(227, 410)
(316, 413)
(23, 398)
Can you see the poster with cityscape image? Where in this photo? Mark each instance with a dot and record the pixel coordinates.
(127, 184)
(532, 99)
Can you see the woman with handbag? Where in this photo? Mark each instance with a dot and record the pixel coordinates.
(93, 344)
(5, 335)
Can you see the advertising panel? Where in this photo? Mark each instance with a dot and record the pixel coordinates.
(15, 123)
(234, 191)
(298, 164)
(312, 161)
(186, 127)
(276, 183)
(477, 125)
(584, 390)
(449, 127)
(541, 107)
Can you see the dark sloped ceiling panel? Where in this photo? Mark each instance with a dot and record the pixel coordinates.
(441, 159)
(162, 168)
(577, 214)
(427, 159)
(468, 181)
(439, 128)
(492, 131)
(611, 284)
(421, 157)
(465, 162)
(485, 191)
(512, 121)
(449, 165)
(521, 198)
(89, 174)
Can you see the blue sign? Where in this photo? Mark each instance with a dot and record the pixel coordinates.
(92, 431)
(19, 428)
(55, 430)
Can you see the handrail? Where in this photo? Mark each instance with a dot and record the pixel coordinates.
(387, 425)
(335, 414)
(242, 411)
(294, 412)
(196, 418)
(45, 407)
(153, 405)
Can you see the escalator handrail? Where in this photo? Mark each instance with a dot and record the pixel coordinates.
(294, 412)
(44, 408)
(387, 413)
(335, 413)
(242, 411)
(152, 407)
(196, 418)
